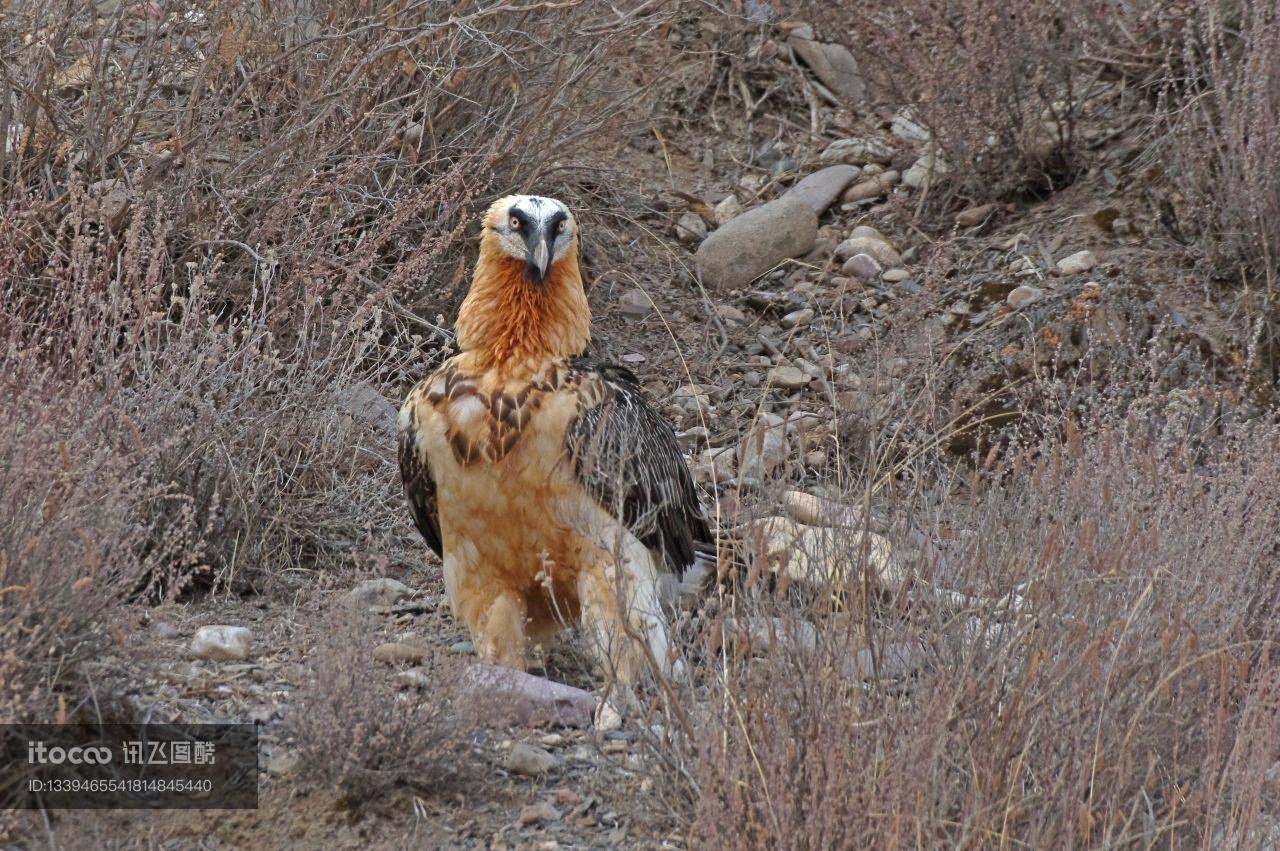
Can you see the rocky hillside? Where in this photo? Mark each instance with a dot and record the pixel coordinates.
(952, 309)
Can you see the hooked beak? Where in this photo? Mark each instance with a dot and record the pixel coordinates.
(538, 256)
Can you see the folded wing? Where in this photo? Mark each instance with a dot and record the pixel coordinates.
(625, 454)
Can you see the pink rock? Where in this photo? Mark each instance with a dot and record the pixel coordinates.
(506, 697)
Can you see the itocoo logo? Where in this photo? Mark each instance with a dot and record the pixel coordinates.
(39, 754)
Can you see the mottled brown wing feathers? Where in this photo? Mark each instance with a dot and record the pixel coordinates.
(420, 489)
(625, 453)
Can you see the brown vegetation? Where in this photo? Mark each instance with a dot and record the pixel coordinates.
(229, 233)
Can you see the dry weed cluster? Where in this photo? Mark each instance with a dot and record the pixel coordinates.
(225, 227)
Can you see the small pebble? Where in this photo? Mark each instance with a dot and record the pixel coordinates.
(397, 653)
(798, 318)
(221, 643)
(1081, 261)
(538, 813)
(528, 760)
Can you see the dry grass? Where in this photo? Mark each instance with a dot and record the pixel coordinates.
(1221, 108)
(225, 229)
(998, 87)
(1127, 704)
(358, 735)
(229, 232)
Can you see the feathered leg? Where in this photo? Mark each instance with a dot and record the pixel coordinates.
(495, 616)
(623, 618)
(498, 631)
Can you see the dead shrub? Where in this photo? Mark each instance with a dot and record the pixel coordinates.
(1125, 702)
(226, 229)
(995, 85)
(345, 148)
(1221, 111)
(358, 734)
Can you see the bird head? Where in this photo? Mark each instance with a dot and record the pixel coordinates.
(526, 302)
(533, 230)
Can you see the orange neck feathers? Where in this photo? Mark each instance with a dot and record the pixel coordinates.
(507, 322)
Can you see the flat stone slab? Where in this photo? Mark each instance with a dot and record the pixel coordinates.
(506, 697)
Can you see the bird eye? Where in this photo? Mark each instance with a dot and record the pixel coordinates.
(563, 226)
(515, 223)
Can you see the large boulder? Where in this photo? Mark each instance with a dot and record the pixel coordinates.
(755, 242)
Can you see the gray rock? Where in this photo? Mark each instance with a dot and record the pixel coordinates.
(463, 648)
(283, 762)
(691, 228)
(906, 128)
(856, 152)
(691, 398)
(696, 436)
(756, 242)
(538, 813)
(1024, 295)
(714, 465)
(798, 318)
(928, 169)
(607, 717)
(821, 189)
(893, 276)
(415, 678)
(765, 447)
(867, 232)
(821, 250)
(363, 402)
(974, 215)
(164, 630)
(221, 643)
(767, 155)
(783, 166)
(728, 209)
(882, 251)
(729, 313)
(832, 64)
(1081, 261)
(379, 592)
(872, 187)
(861, 266)
(788, 377)
(506, 697)
(398, 653)
(822, 555)
(636, 303)
(810, 510)
(528, 760)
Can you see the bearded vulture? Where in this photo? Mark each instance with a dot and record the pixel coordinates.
(552, 491)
